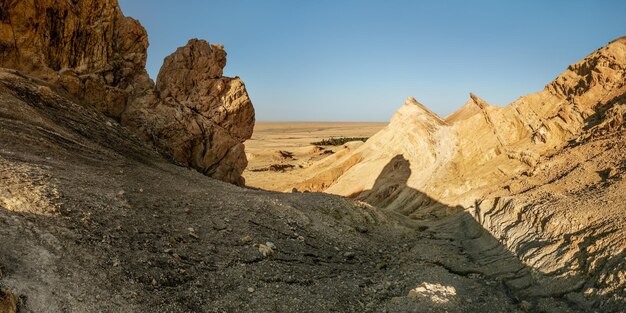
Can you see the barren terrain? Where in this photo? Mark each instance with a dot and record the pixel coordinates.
(270, 138)
(120, 194)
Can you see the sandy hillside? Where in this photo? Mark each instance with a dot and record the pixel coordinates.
(294, 139)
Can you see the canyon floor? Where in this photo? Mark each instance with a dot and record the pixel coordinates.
(294, 140)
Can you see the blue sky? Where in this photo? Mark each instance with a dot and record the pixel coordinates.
(334, 60)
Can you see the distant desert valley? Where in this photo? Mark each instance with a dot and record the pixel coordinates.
(280, 152)
(123, 194)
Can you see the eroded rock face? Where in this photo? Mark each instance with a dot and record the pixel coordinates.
(200, 118)
(194, 115)
(88, 47)
(543, 175)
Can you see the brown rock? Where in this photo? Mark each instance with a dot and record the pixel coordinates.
(194, 114)
(200, 118)
(8, 302)
(88, 47)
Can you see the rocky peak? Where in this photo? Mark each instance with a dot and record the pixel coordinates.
(469, 109)
(587, 80)
(414, 112)
(193, 64)
(482, 104)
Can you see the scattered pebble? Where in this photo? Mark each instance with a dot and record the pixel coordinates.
(265, 250)
(250, 290)
(349, 255)
(270, 244)
(590, 292)
(300, 238)
(361, 229)
(192, 233)
(246, 239)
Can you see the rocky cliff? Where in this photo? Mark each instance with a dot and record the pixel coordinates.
(194, 114)
(502, 164)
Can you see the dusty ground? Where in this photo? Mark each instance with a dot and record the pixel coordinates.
(95, 221)
(294, 137)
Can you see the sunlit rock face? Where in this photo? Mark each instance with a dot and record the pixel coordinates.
(542, 174)
(194, 115)
(201, 118)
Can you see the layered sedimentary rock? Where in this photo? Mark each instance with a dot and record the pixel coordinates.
(98, 55)
(481, 144)
(502, 164)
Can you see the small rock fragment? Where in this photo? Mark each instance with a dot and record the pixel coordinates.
(246, 239)
(270, 244)
(250, 290)
(192, 233)
(265, 250)
(525, 306)
(300, 238)
(361, 229)
(349, 255)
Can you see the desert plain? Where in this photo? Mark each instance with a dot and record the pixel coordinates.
(295, 140)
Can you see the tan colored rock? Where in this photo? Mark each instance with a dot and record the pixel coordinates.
(88, 47)
(201, 118)
(541, 175)
(458, 159)
(194, 115)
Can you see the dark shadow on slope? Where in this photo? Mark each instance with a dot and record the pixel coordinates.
(480, 254)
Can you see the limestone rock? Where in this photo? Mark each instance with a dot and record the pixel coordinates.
(455, 160)
(200, 118)
(541, 175)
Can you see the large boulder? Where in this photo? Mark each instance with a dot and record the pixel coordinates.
(201, 118)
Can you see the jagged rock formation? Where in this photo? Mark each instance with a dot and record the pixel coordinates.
(98, 55)
(201, 118)
(472, 160)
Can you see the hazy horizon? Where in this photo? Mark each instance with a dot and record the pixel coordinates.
(357, 61)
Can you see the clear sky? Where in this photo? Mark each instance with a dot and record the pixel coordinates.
(335, 60)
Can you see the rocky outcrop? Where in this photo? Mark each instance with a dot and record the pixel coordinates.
(88, 47)
(200, 118)
(542, 175)
(459, 158)
(194, 115)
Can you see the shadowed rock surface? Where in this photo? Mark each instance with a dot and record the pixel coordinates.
(93, 220)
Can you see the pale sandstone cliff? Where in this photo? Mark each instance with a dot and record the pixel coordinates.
(98, 55)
